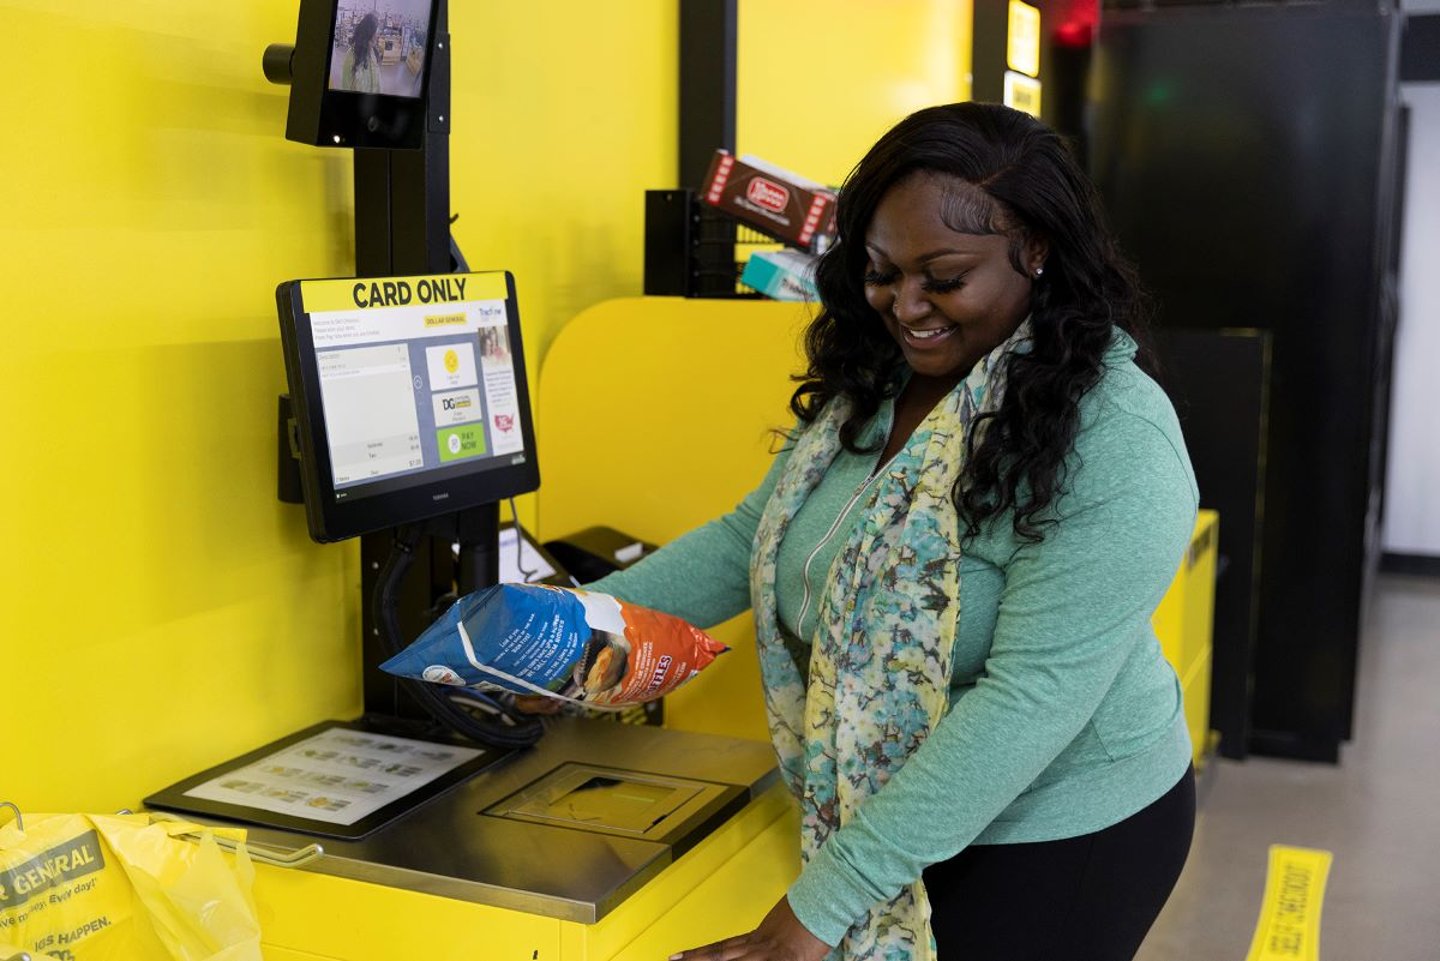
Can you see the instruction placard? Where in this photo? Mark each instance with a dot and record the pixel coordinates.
(337, 776)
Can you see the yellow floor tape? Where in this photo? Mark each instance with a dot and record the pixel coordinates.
(1289, 925)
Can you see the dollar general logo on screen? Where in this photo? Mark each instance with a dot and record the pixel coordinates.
(452, 361)
(59, 865)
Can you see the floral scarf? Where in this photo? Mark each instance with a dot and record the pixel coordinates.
(879, 677)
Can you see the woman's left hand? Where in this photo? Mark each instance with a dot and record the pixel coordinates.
(780, 937)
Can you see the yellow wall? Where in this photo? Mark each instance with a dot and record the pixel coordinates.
(565, 114)
(160, 610)
(819, 80)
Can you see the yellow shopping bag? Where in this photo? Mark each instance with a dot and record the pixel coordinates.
(77, 887)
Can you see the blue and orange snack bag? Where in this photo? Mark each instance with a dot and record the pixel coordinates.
(573, 645)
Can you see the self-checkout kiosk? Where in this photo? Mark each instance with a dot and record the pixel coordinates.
(442, 823)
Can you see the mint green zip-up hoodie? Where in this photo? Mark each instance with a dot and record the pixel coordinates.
(1065, 717)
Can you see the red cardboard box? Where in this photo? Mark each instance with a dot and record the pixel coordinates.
(774, 201)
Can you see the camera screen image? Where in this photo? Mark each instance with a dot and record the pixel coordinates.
(380, 46)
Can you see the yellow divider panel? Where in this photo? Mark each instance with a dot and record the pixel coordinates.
(1184, 624)
(655, 415)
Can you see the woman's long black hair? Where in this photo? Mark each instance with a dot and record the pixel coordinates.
(360, 40)
(1036, 189)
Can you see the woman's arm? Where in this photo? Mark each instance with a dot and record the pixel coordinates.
(703, 576)
(1073, 610)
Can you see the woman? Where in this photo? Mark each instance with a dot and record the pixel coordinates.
(358, 72)
(953, 568)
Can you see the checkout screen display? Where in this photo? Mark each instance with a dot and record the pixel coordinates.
(417, 378)
(380, 46)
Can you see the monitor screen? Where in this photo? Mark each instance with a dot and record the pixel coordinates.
(379, 46)
(361, 71)
(410, 397)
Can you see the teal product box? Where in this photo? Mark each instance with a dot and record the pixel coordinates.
(781, 275)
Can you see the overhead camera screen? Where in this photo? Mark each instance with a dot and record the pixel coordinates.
(380, 46)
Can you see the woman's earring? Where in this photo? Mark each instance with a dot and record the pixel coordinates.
(1039, 271)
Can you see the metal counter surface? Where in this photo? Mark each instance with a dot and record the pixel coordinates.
(449, 847)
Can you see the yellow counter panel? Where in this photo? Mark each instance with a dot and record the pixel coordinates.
(727, 882)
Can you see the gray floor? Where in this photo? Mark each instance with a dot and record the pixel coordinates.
(1378, 812)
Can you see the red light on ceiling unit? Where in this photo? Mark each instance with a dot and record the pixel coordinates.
(1075, 23)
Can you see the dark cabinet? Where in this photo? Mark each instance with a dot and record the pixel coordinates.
(1247, 156)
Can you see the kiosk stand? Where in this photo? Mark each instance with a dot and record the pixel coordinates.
(567, 851)
(402, 228)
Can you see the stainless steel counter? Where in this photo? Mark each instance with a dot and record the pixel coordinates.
(459, 845)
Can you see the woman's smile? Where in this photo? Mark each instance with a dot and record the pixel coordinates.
(927, 338)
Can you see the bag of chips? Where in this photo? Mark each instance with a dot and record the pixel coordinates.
(574, 645)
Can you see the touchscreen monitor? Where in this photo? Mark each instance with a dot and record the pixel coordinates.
(410, 397)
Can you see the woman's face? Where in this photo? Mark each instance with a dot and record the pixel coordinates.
(948, 298)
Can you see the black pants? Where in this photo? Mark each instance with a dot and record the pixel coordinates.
(1088, 898)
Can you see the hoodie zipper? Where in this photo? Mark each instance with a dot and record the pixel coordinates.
(805, 570)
